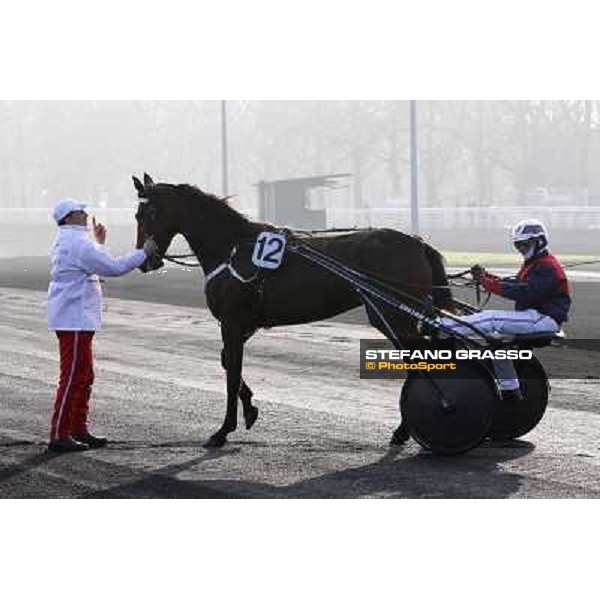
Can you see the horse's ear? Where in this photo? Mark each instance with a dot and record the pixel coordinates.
(139, 186)
(148, 180)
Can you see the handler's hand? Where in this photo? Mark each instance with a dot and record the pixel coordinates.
(99, 231)
(150, 247)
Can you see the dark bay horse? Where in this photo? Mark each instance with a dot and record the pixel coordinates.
(245, 299)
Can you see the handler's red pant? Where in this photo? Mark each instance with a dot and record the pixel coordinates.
(71, 405)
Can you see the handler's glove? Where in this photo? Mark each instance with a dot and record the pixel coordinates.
(150, 247)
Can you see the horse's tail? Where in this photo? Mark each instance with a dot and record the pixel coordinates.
(441, 293)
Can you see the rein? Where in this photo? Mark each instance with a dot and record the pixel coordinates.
(460, 275)
(179, 259)
(175, 258)
(469, 283)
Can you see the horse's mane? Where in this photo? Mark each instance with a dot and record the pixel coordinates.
(211, 202)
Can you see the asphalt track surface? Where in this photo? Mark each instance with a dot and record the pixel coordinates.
(322, 432)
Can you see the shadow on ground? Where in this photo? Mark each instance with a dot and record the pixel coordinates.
(477, 475)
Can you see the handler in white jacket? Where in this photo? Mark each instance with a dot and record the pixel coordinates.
(75, 314)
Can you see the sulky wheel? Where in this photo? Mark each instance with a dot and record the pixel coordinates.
(453, 413)
(514, 419)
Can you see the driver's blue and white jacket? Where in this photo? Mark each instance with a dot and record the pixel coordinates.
(75, 293)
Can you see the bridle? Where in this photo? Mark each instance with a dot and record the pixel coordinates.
(178, 259)
(149, 219)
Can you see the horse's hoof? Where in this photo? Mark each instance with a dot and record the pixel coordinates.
(251, 417)
(399, 438)
(215, 441)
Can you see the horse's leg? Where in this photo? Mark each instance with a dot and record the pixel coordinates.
(401, 433)
(244, 394)
(250, 411)
(233, 353)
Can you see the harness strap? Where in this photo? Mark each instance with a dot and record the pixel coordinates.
(215, 272)
(229, 267)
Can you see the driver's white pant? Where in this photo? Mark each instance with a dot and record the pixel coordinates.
(504, 323)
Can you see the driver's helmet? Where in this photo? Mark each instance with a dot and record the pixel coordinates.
(530, 229)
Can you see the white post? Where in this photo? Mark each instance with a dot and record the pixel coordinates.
(414, 173)
(224, 165)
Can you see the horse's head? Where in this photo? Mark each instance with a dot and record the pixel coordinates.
(208, 223)
(157, 217)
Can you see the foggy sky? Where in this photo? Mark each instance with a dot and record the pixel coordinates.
(471, 153)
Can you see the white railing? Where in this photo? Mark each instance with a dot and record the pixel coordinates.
(43, 216)
(492, 217)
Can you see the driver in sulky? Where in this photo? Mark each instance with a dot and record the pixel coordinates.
(540, 291)
(75, 314)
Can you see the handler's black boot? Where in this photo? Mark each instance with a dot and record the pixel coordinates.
(512, 396)
(92, 441)
(66, 444)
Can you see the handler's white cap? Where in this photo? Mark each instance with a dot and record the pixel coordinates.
(66, 207)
